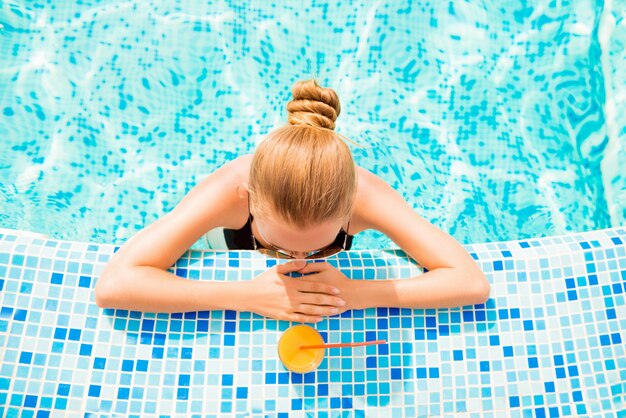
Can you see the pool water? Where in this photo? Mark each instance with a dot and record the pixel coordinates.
(494, 122)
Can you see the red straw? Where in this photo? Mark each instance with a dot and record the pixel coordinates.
(303, 347)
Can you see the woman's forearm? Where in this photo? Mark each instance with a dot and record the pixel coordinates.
(440, 288)
(149, 289)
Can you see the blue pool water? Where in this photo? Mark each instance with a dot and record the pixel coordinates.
(495, 122)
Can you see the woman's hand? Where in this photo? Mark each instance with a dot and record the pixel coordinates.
(302, 299)
(329, 275)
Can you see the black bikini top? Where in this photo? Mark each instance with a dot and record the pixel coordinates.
(241, 239)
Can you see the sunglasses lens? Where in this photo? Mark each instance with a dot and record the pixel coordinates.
(326, 252)
(274, 254)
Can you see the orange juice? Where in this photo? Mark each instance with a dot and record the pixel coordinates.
(296, 359)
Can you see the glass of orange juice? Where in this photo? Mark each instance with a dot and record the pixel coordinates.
(292, 356)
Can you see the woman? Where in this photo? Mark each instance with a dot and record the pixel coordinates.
(299, 196)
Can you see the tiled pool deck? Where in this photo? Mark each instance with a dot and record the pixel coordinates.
(549, 342)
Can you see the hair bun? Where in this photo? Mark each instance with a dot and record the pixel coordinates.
(313, 105)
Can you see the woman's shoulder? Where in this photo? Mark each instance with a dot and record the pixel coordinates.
(243, 161)
(368, 182)
(229, 176)
(237, 169)
(375, 201)
(221, 196)
(370, 187)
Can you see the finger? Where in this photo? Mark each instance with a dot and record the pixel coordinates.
(320, 299)
(315, 267)
(301, 317)
(317, 310)
(300, 264)
(314, 285)
(288, 267)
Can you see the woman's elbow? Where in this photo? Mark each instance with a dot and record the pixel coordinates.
(106, 288)
(102, 293)
(481, 289)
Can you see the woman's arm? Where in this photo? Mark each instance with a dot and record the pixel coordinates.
(135, 278)
(453, 279)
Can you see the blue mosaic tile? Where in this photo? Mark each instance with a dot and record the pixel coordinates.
(534, 349)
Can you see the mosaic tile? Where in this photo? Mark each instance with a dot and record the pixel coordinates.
(550, 341)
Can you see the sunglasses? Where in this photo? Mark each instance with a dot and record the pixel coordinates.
(275, 252)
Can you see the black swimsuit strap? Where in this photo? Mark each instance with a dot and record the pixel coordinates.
(250, 217)
(241, 239)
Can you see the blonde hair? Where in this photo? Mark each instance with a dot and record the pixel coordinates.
(303, 173)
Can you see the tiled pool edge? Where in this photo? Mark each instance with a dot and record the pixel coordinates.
(550, 341)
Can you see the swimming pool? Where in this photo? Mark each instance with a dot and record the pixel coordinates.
(495, 122)
(490, 121)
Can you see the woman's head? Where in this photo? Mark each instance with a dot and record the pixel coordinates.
(303, 173)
